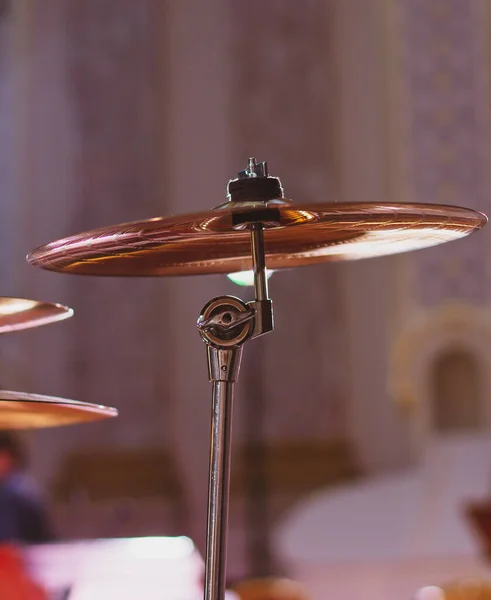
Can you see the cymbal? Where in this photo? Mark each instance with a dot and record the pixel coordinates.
(218, 241)
(18, 313)
(29, 411)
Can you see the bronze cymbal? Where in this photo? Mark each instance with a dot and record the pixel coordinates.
(18, 313)
(29, 411)
(217, 241)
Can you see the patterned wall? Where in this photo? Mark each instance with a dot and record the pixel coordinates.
(6, 133)
(281, 110)
(89, 148)
(112, 87)
(8, 353)
(445, 66)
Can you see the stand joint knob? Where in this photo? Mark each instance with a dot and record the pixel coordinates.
(226, 322)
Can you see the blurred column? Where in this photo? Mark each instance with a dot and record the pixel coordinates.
(199, 165)
(366, 164)
(43, 196)
(10, 373)
(283, 92)
(89, 153)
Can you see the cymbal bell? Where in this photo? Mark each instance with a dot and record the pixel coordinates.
(218, 240)
(17, 314)
(19, 410)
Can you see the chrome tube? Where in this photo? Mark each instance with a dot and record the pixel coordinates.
(258, 262)
(218, 491)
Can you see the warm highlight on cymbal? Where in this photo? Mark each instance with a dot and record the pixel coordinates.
(217, 241)
(30, 411)
(17, 314)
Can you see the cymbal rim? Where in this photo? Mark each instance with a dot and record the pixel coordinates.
(209, 243)
(47, 411)
(18, 314)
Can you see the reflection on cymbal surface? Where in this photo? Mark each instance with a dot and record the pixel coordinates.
(18, 313)
(217, 241)
(19, 410)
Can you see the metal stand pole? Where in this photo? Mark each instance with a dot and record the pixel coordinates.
(225, 324)
(219, 478)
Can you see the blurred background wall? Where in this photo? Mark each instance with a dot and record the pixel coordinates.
(114, 110)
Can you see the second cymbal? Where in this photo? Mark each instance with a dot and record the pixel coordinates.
(17, 314)
(19, 410)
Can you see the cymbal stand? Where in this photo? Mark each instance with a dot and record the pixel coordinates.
(225, 324)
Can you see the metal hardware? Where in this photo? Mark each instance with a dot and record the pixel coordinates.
(225, 324)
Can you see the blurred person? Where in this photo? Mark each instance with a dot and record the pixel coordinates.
(269, 589)
(23, 514)
(15, 582)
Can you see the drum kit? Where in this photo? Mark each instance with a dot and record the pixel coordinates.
(256, 227)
